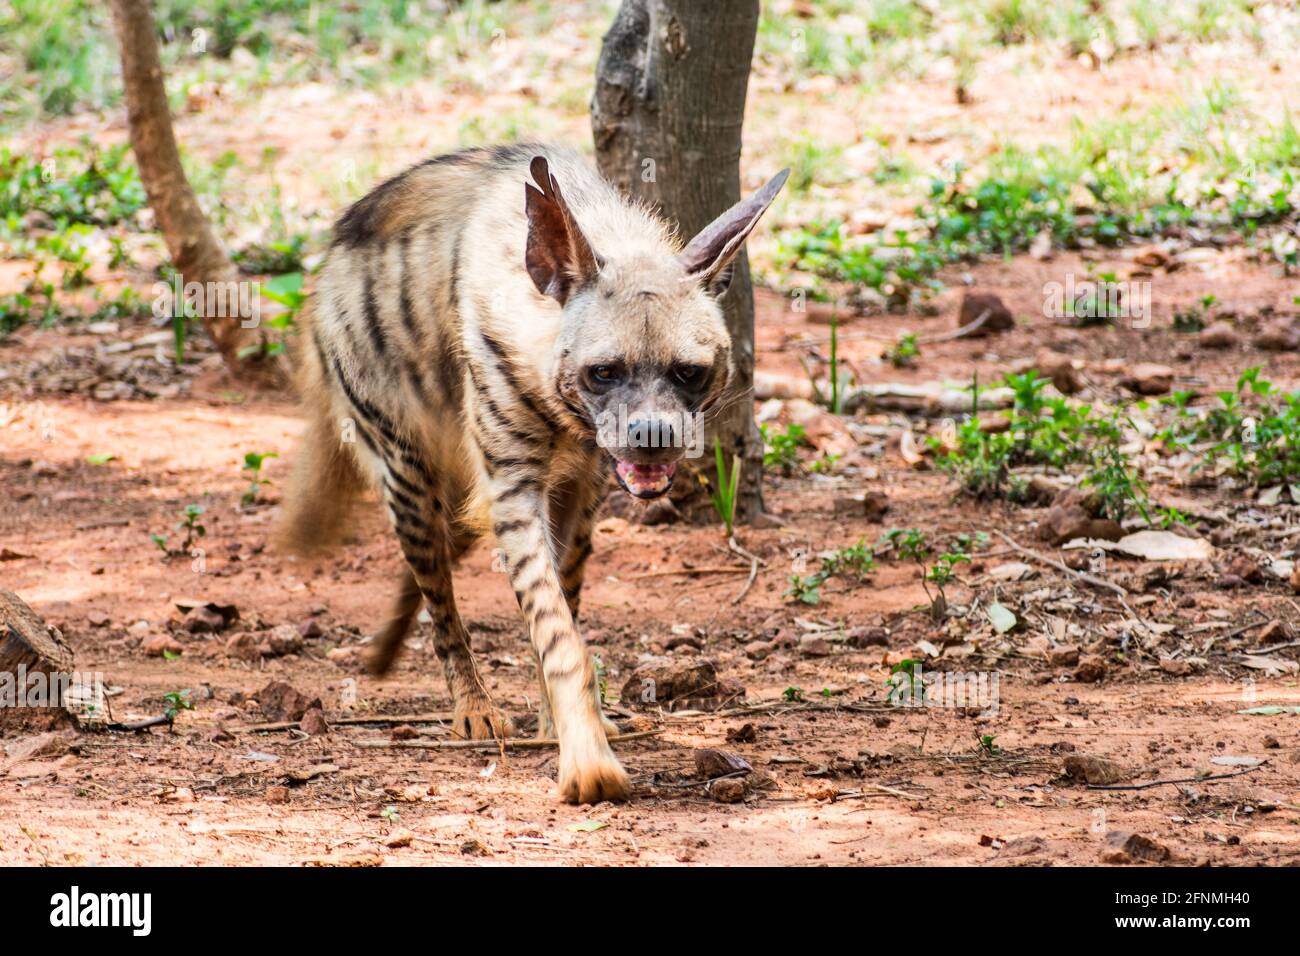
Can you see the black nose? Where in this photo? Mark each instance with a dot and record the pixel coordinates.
(651, 433)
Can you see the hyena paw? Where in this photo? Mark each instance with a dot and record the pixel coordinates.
(480, 719)
(592, 775)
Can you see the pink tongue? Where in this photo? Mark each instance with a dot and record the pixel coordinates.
(645, 474)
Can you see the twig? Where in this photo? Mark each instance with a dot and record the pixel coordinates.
(1157, 783)
(875, 788)
(1061, 566)
(753, 567)
(508, 743)
(435, 717)
(970, 328)
(686, 571)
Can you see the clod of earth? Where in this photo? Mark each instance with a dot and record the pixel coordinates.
(1124, 847)
(985, 308)
(1096, 770)
(1219, 335)
(279, 701)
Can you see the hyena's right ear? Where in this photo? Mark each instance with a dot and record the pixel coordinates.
(707, 258)
(558, 257)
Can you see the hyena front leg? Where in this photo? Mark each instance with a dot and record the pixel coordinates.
(589, 771)
(572, 508)
(420, 520)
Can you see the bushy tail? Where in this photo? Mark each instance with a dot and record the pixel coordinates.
(326, 478)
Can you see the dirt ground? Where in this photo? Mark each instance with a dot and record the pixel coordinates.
(841, 775)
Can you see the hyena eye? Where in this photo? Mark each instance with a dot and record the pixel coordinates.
(690, 376)
(603, 376)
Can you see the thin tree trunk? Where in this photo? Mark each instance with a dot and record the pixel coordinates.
(195, 252)
(667, 116)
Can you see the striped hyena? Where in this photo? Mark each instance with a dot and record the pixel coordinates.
(480, 322)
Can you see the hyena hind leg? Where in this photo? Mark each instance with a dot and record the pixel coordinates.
(426, 540)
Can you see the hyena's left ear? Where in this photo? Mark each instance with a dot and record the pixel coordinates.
(558, 257)
(708, 257)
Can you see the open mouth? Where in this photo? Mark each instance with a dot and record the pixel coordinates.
(645, 481)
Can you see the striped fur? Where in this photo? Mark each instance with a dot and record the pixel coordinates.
(445, 363)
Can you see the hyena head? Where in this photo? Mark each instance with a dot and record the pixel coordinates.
(644, 350)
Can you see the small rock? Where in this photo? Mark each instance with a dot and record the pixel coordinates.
(875, 505)
(1095, 770)
(1148, 378)
(744, 734)
(757, 650)
(277, 794)
(662, 681)
(1271, 742)
(1279, 335)
(868, 637)
(398, 838)
(284, 640)
(204, 620)
(977, 304)
(403, 732)
(313, 722)
(1066, 655)
(244, 647)
(475, 848)
(1245, 568)
(710, 763)
(1176, 668)
(1124, 847)
(810, 645)
(280, 702)
(1274, 632)
(1069, 518)
(1059, 367)
(730, 790)
(1091, 669)
(343, 656)
(160, 645)
(1219, 335)
(310, 629)
(97, 619)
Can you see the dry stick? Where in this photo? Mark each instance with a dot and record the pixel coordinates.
(735, 548)
(1157, 783)
(508, 743)
(435, 717)
(876, 789)
(1061, 566)
(687, 571)
(970, 328)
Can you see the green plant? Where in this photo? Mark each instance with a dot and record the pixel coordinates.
(792, 695)
(192, 527)
(855, 562)
(177, 701)
(781, 449)
(253, 467)
(904, 352)
(724, 494)
(286, 290)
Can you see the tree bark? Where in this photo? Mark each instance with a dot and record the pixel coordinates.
(666, 116)
(191, 243)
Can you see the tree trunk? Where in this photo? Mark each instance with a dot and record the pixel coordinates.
(28, 647)
(195, 252)
(667, 116)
